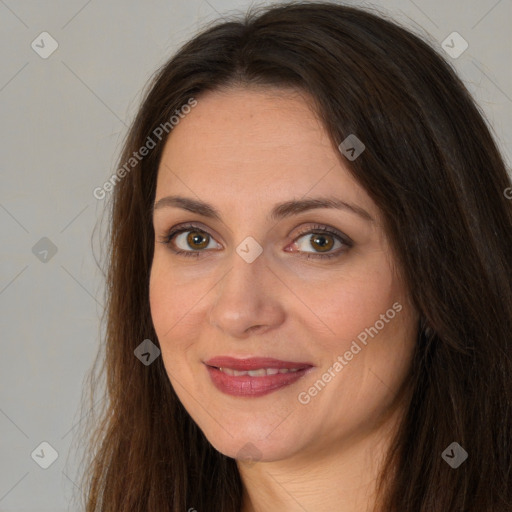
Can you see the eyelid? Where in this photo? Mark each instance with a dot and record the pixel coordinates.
(320, 228)
(188, 226)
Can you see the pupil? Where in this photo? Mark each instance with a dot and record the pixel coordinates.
(195, 237)
(323, 241)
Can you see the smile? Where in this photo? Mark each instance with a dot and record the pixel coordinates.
(253, 376)
(257, 373)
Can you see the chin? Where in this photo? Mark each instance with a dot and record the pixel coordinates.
(248, 443)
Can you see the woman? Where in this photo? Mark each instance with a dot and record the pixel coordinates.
(309, 195)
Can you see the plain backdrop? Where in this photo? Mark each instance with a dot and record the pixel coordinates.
(63, 122)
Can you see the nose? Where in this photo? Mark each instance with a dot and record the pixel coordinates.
(248, 299)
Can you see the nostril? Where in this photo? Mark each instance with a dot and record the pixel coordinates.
(253, 328)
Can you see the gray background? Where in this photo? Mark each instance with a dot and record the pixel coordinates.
(63, 122)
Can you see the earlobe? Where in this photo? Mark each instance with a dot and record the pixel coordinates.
(424, 329)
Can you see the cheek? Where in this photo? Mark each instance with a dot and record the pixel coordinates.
(159, 300)
(175, 308)
(371, 326)
(354, 302)
(169, 297)
(167, 302)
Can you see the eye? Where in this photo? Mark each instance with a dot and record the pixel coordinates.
(190, 236)
(322, 238)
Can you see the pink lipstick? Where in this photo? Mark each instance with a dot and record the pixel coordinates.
(255, 376)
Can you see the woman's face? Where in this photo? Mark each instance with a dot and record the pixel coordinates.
(252, 282)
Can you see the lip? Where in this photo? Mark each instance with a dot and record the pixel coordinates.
(253, 363)
(247, 386)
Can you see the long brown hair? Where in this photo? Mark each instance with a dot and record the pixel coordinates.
(432, 167)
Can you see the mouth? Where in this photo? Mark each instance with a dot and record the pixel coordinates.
(255, 376)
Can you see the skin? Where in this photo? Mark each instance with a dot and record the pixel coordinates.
(244, 150)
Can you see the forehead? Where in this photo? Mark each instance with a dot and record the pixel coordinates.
(255, 142)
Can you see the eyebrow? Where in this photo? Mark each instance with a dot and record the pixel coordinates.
(279, 211)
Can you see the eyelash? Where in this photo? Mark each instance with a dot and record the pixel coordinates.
(316, 229)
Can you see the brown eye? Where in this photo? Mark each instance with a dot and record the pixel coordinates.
(188, 240)
(323, 242)
(194, 239)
